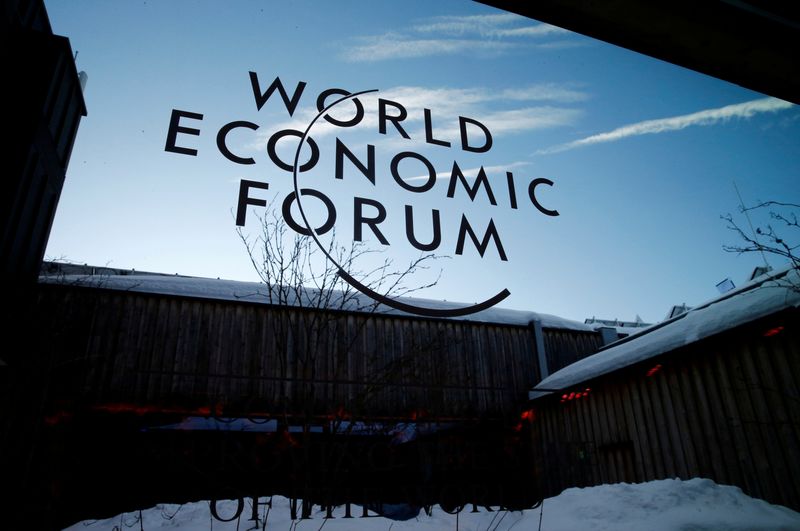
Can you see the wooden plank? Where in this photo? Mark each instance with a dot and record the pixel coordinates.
(522, 373)
(330, 365)
(392, 364)
(758, 424)
(588, 447)
(576, 443)
(685, 431)
(707, 444)
(711, 387)
(150, 379)
(600, 432)
(209, 382)
(508, 403)
(735, 423)
(181, 316)
(789, 393)
(504, 400)
(580, 438)
(563, 442)
(557, 449)
(257, 364)
(626, 455)
(240, 387)
(525, 346)
(148, 350)
(637, 426)
(566, 414)
(116, 351)
(608, 448)
(650, 424)
(139, 355)
(548, 460)
(590, 439)
(379, 367)
(402, 346)
(455, 346)
(291, 348)
(625, 448)
(763, 354)
(608, 426)
(787, 361)
(631, 425)
(294, 355)
(165, 364)
(97, 349)
(441, 371)
(124, 362)
(271, 363)
(703, 436)
(478, 364)
(651, 387)
(465, 396)
(674, 432)
(191, 360)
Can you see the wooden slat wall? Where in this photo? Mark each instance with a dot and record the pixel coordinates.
(725, 408)
(564, 347)
(118, 347)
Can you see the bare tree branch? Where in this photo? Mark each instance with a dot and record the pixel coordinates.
(782, 242)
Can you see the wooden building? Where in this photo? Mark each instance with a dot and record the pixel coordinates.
(45, 106)
(713, 393)
(211, 392)
(157, 341)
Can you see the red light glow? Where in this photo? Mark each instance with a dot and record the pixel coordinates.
(773, 331)
(574, 395)
(121, 407)
(654, 370)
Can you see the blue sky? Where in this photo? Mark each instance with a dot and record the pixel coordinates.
(642, 154)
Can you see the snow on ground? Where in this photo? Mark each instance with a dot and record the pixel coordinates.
(669, 504)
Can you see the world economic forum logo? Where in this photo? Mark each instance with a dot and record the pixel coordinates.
(369, 213)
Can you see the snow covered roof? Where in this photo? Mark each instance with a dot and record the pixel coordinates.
(624, 330)
(256, 292)
(761, 297)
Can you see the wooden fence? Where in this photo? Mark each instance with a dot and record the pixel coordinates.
(725, 408)
(133, 349)
(563, 347)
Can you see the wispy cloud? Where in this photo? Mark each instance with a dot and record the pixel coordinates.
(449, 103)
(486, 26)
(545, 92)
(539, 30)
(519, 120)
(460, 24)
(447, 35)
(675, 123)
(394, 46)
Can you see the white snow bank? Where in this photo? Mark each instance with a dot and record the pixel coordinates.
(664, 505)
(669, 504)
(207, 288)
(759, 298)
